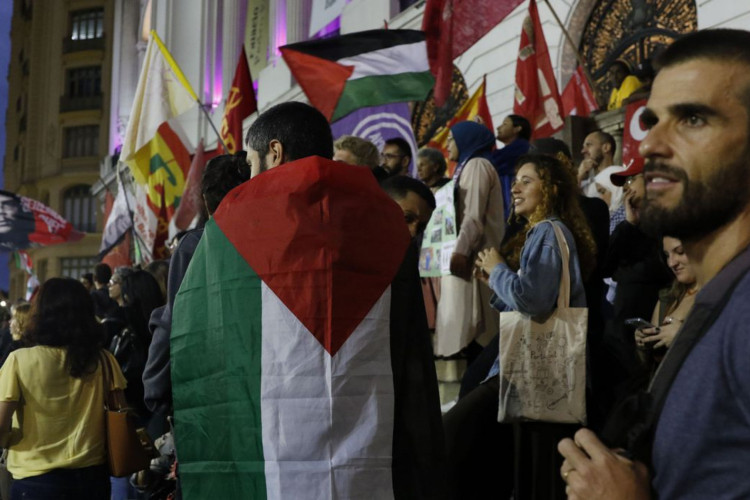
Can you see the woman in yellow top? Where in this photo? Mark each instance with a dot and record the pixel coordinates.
(52, 399)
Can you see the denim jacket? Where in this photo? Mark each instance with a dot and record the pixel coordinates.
(534, 289)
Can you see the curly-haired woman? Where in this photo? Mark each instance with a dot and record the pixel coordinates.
(525, 276)
(53, 395)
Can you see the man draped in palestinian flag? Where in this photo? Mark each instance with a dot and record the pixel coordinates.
(301, 363)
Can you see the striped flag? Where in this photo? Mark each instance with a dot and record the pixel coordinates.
(281, 368)
(153, 149)
(367, 68)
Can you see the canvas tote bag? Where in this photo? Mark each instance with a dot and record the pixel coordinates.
(543, 365)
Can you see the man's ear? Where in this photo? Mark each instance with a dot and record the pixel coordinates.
(275, 155)
(405, 162)
(607, 148)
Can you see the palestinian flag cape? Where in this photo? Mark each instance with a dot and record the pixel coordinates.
(280, 358)
(368, 68)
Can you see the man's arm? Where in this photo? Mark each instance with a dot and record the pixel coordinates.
(593, 471)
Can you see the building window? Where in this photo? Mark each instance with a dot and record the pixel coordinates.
(84, 82)
(79, 208)
(87, 24)
(75, 267)
(81, 141)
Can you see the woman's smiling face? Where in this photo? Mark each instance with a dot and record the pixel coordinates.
(527, 190)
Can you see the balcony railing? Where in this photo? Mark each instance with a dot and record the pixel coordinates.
(80, 103)
(70, 45)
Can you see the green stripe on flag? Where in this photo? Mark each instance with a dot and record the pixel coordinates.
(216, 366)
(383, 89)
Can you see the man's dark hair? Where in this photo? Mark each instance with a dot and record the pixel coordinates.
(520, 121)
(88, 277)
(399, 186)
(435, 157)
(223, 173)
(401, 144)
(723, 45)
(300, 128)
(608, 139)
(102, 273)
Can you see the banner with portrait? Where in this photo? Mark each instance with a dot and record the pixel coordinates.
(26, 223)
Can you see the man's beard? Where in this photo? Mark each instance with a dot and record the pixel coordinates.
(704, 206)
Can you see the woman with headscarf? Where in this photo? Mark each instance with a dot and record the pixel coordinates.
(613, 196)
(463, 313)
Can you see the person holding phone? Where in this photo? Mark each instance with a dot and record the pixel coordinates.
(674, 305)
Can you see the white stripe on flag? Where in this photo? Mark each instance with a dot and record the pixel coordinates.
(408, 58)
(327, 423)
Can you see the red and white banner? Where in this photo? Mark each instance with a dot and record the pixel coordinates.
(537, 98)
(578, 98)
(633, 134)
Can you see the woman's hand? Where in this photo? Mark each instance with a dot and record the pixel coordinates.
(488, 259)
(658, 337)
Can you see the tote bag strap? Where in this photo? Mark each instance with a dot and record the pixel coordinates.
(563, 295)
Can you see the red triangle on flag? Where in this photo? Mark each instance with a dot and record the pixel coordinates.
(322, 80)
(309, 231)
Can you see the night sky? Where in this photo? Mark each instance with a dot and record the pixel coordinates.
(6, 10)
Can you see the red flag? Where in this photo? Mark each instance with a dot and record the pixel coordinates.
(191, 201)
(577, 98)
(537, 98)
(452, 26)
(240, 104)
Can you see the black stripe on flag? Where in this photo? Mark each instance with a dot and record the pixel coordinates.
(354, 44)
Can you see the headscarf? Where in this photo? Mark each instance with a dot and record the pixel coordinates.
(472, 140)
(603, 179)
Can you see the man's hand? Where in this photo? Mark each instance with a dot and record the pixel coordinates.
(593, 471)
(585, 167)
(461, 266)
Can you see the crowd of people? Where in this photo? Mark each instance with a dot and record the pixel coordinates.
(657, 253)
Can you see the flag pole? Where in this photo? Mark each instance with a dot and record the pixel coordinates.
(218, 135)
(579, 58)
(185, 83)
(139, 243)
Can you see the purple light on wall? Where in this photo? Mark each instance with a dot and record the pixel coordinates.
(332, 29)
(279, 30)
(217, 88)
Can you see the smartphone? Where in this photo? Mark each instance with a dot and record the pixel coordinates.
(638, 323)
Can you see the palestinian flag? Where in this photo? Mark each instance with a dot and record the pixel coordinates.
(280, 358)
(368, 68)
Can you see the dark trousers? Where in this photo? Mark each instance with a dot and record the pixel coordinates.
(487, 459)
(88, 483)
(479, 449)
